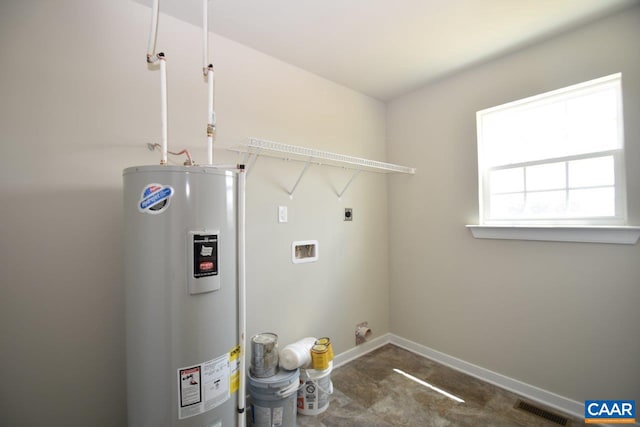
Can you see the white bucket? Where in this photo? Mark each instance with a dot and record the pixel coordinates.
(273, 399)
(315, 389)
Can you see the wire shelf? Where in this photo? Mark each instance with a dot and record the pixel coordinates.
(256, 147)
(293, 152)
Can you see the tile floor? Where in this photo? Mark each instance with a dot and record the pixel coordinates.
(368, 393)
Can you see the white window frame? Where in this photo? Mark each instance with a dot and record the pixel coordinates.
(610, 229)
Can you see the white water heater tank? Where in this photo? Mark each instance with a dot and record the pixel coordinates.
(180, 271)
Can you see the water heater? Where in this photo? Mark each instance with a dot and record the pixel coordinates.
(181, 296)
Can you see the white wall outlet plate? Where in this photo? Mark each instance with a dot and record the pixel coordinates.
(282, 214)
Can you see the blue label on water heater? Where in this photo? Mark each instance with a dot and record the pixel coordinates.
(155, 198)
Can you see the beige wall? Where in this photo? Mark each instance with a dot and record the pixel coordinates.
(560, 316)
(78, 105)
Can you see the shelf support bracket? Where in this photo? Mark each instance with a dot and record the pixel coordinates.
(304, 170)
(353, 177)
(253, 158)
(243, 157)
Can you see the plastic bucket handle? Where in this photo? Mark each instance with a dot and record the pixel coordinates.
(286, 392)
(330, 391)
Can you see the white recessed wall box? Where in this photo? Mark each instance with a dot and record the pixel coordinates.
(304, 251)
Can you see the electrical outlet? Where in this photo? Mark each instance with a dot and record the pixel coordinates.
(282, 214)
(348, 214)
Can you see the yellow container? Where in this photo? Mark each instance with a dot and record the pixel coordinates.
(320, 357)
(326, 341)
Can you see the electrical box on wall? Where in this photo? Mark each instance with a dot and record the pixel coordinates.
(304, 251)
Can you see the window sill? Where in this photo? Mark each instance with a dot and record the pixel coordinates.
(623, 235)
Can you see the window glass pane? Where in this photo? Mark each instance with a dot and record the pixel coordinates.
(592, 202)
(545, 131)
(546, 177)
(592, 122)
(593, 105)
(507, 206)
(568, 122)
(555, 156)
(591, 172)
(546, 204)
(527, 133)
(507, 181)
(501, 130)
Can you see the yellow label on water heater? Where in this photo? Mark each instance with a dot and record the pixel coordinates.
(234, 364)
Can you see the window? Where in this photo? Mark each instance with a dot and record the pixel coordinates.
(555, 158)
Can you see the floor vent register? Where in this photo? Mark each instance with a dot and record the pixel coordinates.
(543, 413)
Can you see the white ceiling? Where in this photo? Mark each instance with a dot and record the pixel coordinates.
(384, 48)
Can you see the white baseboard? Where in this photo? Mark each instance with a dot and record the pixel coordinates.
(528, 391)
(361, 350)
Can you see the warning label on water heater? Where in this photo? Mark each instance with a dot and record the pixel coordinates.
(190, 386)
(234, 362)
(205, 255)
(207, 385)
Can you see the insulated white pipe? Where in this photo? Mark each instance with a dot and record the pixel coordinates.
(153, 33)
(205, 35)
(211, 116)
(242, 300)
(163, 102)
(207, 69)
